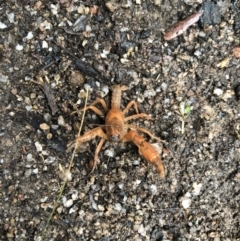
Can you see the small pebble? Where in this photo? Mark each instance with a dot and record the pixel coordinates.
(38, 146)
(2, 25)
(101, 208)
(47, 117)
(44, 199)
(109, 153)
(54, 9)
(202, 34)
(136, 162)
(10, 17)
(217, 91)
(120, 185)
(112, 6)
(197, 53)
(19, 47)
(186, 201)
(28, 173)
(44, 126)
(196, 188)
(44, 44)
(105, 90)
(29, 35)
(35, 171)
(50, 160)
(29, 157)
(117, 207)
(54, 127)
(61, 121)
(28, 107)
(75, 195)
(87, 87)
(153, 188)
(68, 203)
(72, 210)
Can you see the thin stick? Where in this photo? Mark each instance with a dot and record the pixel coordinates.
(66, 176)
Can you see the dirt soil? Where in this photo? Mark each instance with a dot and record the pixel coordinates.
(51, 52)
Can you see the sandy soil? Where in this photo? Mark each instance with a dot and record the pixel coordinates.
(50, 52)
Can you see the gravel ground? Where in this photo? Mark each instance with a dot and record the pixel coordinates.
(51, 51)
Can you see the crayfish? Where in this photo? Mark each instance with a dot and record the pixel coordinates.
(116, 129)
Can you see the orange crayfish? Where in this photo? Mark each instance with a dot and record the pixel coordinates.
(117, 130)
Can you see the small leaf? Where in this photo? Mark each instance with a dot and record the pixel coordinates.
(187, 110)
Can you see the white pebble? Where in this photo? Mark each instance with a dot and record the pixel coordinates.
(96, 46)
(101, 208)
(202, 34)
(50, 160)
(164, 86)
(61, 121)
(141, 230)
(29, 157)
(38, 146)
(10, 17)
(149, 93)
(105, 90)
(136, 162)
(28, 173)
(87, 87)
(68, 175)
(11, 113)
(88, 28)
(75, 195)
(217, 91)
(72, 210)
(109, 153)
(94, 204)
(118, 207)
(29, 35)
(54, 9)
(186, 200)
(197, 53)
(54, 127)
(3, 78)
(44, 199)
(186, 203)
(19, 47)
(120, 185)
(44, 44)
(138, 181)
(45, 153)
(47, 117)
(68, 203)
(35, 171)
(196, 188)
(2, 25)
(153, 188)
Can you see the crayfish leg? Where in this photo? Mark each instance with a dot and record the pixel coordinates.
(87, 137)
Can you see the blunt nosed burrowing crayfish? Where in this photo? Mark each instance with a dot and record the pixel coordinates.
(116, 129)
